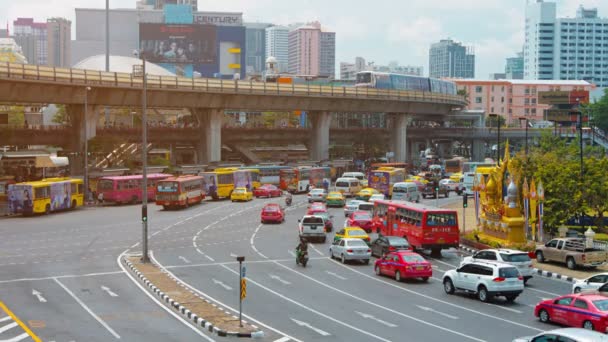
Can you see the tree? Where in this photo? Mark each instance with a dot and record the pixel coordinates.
(599, 111)
(595, 188)
(463, 92)
(16, 115)
(491, 121)
(60, 116)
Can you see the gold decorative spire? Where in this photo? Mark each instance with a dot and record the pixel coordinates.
(525, 189)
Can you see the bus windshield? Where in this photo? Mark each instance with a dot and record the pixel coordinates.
(364, 77)
(167, 187)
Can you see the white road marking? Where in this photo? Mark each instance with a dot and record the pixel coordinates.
(541, 291)
(108, 291)
(336, 275)
(309, 308)
(368, 316)
(236, 262)
(505, 308)
(307, 325)
(5, 318)
(316, 250)
(8, 327)
(282, 339)
(382, 307)
(439, 300)
(16, 338)
(186, 261)
(281, 280)
(233, 255)
(84, 306)
(293, 254)
(210, 258)
(437, 312)
(178, 317)
(39, 296)
(217, 282)
(252, 242)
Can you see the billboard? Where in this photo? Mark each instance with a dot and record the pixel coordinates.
(553, 97)
(178, 44)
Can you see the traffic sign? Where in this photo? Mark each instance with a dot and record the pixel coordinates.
(243, 288)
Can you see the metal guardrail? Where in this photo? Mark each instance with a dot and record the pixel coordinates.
(117, 79)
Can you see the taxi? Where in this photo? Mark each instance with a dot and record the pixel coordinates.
(366, 193)
(586, 310)
(420, 178)
(272, 212)
(335, 199)
(317, 207)
(456, 177)
(404, 265)
(352, 232)
(241, 194)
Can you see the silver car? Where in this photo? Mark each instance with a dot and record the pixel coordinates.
(351, 206)
(350, 249)
(317, 195)
(591, 283)
(566, 334)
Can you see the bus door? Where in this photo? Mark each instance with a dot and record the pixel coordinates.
(392, 223)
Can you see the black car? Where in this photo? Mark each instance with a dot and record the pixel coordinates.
(385, 244)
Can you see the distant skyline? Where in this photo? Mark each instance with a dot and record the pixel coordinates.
(380, 31)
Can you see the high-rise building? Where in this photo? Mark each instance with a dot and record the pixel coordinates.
(277, 45)
(514, 69)
(59, 39)
(565, 48)
(160, 4)
(312, 51)
(451, 59)
(348, 71)
(32, 37)
(255, 42)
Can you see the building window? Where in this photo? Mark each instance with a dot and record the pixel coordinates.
(478, 100)
(527, 101)
(478, 89)
(533, 101)
(492, 100)
(533, 111)
(527, 111)
(527, 91)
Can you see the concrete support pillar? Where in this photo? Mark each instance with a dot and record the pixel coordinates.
(319, 140)
(210, 146)
(81, 127)
(477, 150)
(399, 146)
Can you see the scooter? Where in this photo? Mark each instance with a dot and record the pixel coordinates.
(288, 201)
(301, 258)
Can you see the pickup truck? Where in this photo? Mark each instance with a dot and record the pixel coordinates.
(312, 227)
(572, 252)
(429, 190)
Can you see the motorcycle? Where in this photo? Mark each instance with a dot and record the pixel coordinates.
(301, 258)
(288, 201)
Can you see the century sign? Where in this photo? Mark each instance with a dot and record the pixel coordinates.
(218, 19)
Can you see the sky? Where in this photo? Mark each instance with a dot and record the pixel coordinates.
(379, 30)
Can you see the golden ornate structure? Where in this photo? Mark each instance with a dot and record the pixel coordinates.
(501, 217)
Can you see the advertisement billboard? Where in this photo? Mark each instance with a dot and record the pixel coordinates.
(178, 44)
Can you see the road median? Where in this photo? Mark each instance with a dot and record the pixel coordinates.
(186, 302)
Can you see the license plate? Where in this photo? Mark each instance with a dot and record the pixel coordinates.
(419, 268)
(441, 240)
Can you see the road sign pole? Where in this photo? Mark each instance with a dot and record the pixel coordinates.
(240, 260)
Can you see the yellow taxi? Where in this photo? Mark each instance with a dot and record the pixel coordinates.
(456, 177)
(366, 193)
(352, 232)
(241, 194)
(420, 179)
(335, 199)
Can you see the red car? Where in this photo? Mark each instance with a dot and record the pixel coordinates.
(361, 219)
(316, 207)
(272, 212)
(580, 310)
(404, 265)
(267, 190)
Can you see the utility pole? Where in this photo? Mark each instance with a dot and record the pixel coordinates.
(86, 144)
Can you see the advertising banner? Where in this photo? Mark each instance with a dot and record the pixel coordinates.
(20, 199)
(61, 195)
(178, 44)
(553, 97)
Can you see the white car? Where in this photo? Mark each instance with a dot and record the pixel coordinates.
(351, 206)
(485, 279)
(452, 186)
(350, 249)
(376, 197)
(515, 258)
(566, 335)
(591, 283)
(317, 195)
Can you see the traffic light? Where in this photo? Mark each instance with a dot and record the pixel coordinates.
(436, 189)
(465, 200)
(144, 213)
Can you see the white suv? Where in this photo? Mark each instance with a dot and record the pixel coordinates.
(486, 279)
(515, 258)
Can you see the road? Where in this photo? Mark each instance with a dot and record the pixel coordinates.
(59, 276)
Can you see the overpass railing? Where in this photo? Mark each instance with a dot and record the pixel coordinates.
(118, 79)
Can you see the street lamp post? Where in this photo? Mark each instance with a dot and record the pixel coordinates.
(580, 134)
(86, 143)
(497, 118)
(527, 124)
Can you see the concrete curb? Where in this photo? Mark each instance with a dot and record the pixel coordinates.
(187, 313)
(538, 271)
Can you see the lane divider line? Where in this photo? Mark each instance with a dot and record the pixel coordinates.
(18, 321)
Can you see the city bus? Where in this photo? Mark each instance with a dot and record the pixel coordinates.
(269, 174)
(222, 181)
(127, 189)
(423, 226)
(181, 191)
(303, 178)
(395, 165)
(383, 179)
(45, 196)
(468, 174)
(453, 165)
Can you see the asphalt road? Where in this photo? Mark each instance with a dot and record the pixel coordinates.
(59, 276)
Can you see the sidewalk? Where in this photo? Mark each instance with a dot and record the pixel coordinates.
(471, 221)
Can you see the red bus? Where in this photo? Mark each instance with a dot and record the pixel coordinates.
(423, 226)
(180, 191)
(303, 178)
(127, 189)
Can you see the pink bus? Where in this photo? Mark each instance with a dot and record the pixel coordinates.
(127, 189)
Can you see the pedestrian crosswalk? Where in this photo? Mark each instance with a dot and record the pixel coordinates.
(10, 331)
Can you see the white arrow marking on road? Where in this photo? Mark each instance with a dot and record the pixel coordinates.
(276, 277)
(335, 275)
(233, 255)
(307, 325)
(435, 311)
(107, 289)
(39, 296)
(215, 281)
(183, 259)
(368, 316)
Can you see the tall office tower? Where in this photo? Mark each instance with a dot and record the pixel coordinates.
(451, 59)
(255, 43)
(277, 45)
(312, 51)
(59, 40)
(514, 69)
(32, 37)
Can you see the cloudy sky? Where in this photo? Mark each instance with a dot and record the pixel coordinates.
(378, 30)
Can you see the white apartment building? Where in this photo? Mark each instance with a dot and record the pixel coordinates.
(277, 45)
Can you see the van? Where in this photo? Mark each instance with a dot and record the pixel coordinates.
(359, 175)
(366, 206)
(406, 191)
(348, 186)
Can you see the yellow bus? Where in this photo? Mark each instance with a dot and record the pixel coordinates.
(222, 181)
(45, 196)
(383, 179)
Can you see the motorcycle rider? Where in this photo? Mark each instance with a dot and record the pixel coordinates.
(288, 198)
(302, 247)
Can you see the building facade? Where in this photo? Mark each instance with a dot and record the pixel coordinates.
(513, 99)
(565, 48)
(448, 58)
(59, 41)
(277, 45)
(255, 42)
(312, 51)
(32, 37)
(514, 68)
